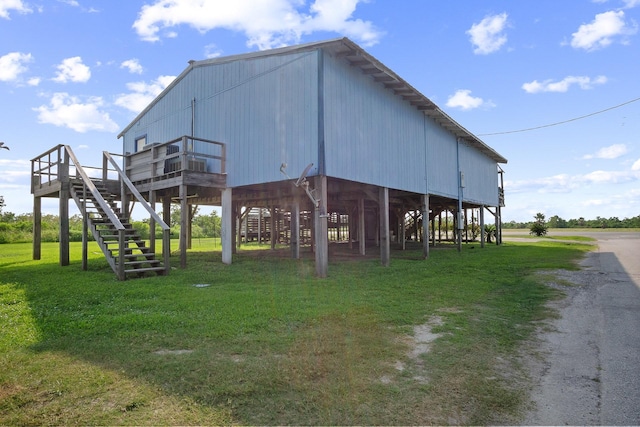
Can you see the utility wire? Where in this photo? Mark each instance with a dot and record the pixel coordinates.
(562, 122)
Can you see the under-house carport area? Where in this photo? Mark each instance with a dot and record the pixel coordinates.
(351, 217)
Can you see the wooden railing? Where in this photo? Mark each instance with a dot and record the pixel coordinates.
(176, 156)
(125, 182)
(55, 168)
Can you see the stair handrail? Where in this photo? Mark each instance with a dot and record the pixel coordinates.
(94, 191)
(125, 179)
(166, 230)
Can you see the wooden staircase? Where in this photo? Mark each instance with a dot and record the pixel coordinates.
(129, 256)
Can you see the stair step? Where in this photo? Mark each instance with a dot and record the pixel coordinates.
(128, 252)
(128, 239)
(141, 270)
(148, 254)
(127, 234)
(147, 261)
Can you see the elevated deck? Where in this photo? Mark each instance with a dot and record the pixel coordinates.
(183, 161)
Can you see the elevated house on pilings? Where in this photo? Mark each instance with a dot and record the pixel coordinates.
(308, 143)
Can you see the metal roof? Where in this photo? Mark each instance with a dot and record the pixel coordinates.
(356, 57)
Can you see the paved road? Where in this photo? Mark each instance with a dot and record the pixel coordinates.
(590, 374)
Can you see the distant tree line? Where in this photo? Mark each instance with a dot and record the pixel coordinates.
(19, 228)
(600, 222)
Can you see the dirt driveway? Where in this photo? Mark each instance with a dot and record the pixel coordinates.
(589, 372)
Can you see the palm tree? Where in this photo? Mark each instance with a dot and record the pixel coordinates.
(3, 146)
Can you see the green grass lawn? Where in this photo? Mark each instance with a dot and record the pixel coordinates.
(268, 343)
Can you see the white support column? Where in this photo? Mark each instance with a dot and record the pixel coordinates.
(385, 244)
(227, 219)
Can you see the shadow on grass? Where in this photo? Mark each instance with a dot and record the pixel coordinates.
(268, 343)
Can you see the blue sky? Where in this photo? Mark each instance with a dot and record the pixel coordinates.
(77, 72)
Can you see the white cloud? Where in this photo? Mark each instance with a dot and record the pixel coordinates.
(611, 152)
(266, 24)
(133, 65)
(69, 111)
(631, 3)
(609, 177)
(17, 5)
(13, 170)
(142, 93)
(636, 166)
(462, 99)
(563, 85)
(212, 51)
(487, 36)
(72, 70)
(601, 32)
(565, 183)
(13, 64)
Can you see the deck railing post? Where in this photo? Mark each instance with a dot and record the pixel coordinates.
(105, 166)
(183, 154)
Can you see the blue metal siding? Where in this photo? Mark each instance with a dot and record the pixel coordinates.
(442, 160)
(268, 110)
(371, 135)
(264, 109)
(480, 177)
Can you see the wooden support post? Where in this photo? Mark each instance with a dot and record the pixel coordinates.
(273, 225)
(37, 228)
(245, 225)
(352, 225)
(166, 210)
(122, 245)
(227, 220)
(498, 225)
(482, 236)
(446, 225)
(402, 230)
(433, 232)
(425, 226)
(321, 227)
(295, 230)
(64, 209)
(259, 226)
(385, 245)
(85, 229)
(362, 237)
(152, 222)
(238, 227)
(190, 212)
(234, 216)
(184, 228)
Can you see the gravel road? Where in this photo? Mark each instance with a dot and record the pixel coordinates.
(589, 369)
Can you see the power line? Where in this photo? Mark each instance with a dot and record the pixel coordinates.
(562, 122)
